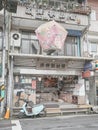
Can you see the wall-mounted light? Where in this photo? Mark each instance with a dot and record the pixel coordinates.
(53, 60)
(60, 78)
(39, 78)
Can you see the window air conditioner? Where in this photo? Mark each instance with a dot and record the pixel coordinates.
(15, 39)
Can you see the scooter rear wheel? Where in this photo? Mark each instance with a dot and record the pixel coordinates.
(17, 104)
(21, 115)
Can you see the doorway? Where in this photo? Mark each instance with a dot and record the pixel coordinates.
(55, 89)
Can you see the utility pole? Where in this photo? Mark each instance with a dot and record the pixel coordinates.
(3, 53)
(4, 47)
(10, 6)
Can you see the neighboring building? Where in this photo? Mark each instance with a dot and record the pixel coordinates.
(93, 49)
(53, 76)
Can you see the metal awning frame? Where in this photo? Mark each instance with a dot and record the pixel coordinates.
(18, 58)
(33, 56)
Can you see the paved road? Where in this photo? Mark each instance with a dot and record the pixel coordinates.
(78, 122)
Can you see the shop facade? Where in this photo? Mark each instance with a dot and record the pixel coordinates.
(49, 83)
(42, 77)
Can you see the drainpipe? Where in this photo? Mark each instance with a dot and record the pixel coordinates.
(10, 87)
(10, 73)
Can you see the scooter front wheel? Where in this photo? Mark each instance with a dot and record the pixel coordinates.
(43, 113)
(21, 115)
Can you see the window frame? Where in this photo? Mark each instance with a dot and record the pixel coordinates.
(31, 38)
(96, 43)
(74, 43)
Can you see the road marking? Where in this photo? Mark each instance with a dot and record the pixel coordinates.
(18, 126)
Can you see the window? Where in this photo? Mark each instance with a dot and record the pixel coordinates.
(93, 47)
(58, 66)
(29, 44)
(47, 65)
(42, 65)
(71, 46)
(93, 15)
(62, 66)
(52, 65)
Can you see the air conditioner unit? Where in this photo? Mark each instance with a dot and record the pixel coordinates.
(15, 39)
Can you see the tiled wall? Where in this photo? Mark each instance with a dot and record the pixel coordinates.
(94, 6)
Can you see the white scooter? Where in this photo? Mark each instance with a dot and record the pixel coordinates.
(32, 111)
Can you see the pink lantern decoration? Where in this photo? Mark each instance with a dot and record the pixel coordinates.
(51, 36)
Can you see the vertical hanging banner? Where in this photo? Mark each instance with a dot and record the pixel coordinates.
(96, 65)
(34, 83)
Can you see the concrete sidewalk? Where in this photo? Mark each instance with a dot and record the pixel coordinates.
(5, 124)
(58, 108)
(66, 108)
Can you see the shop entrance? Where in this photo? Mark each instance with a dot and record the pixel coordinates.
(45, 89)
(55, 89)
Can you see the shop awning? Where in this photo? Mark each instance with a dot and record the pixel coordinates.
(34, 56)
(31, 59)
(46, 72)
(74, 32)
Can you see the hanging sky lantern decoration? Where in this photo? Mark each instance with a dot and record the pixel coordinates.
(51, 36)
(96, 65)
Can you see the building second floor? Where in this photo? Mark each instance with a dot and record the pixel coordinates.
(20, 27)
